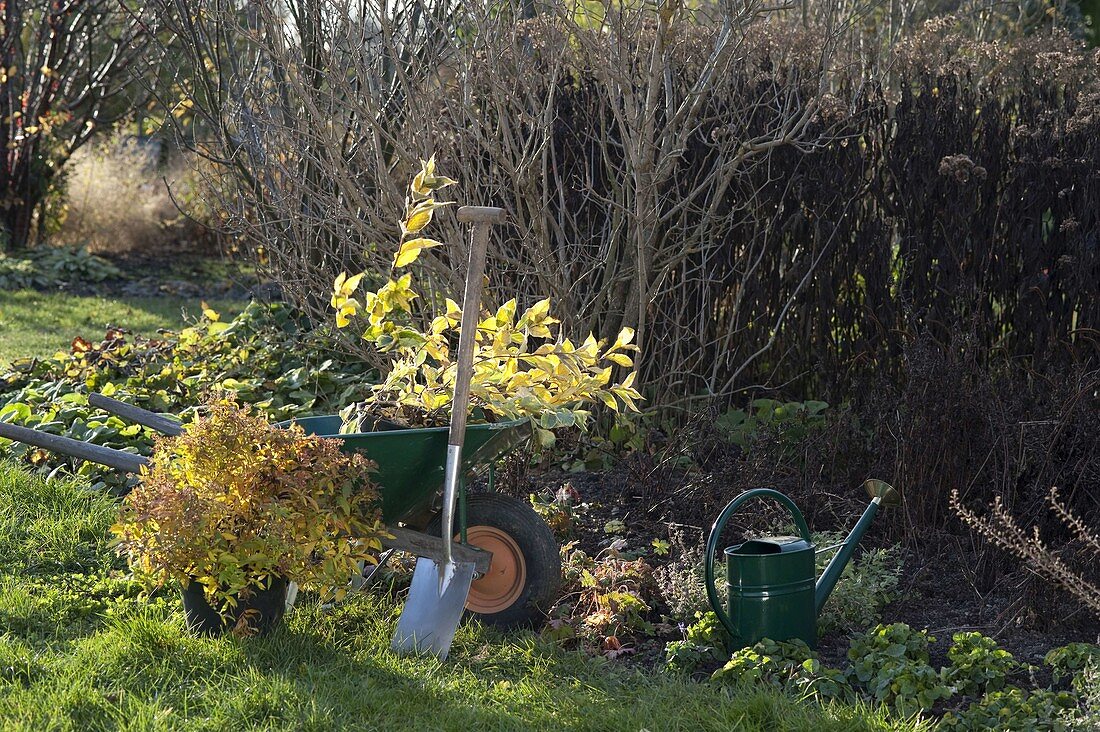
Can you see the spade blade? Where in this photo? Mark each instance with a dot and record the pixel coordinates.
(432, 611)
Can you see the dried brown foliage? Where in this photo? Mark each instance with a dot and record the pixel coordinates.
(66, 72)
(945, 422)
(621, 149)
(118, 198)
(1004, 530)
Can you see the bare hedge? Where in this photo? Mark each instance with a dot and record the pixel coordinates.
(763, 207)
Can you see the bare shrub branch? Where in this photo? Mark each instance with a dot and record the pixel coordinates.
(626, 148)
(1001, 528)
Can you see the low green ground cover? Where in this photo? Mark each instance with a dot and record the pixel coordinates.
(249, 356)
(79, 649)
(36, 323)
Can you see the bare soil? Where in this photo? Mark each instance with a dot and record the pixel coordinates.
(944, 586)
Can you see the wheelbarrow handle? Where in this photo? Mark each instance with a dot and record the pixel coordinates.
(127, 462)
(144, 417)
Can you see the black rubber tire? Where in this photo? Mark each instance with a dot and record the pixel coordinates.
(541, 555)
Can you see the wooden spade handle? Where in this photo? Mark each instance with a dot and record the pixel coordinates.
(482, 217)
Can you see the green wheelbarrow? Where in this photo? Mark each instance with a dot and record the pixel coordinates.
(516, 556)
(514, 553)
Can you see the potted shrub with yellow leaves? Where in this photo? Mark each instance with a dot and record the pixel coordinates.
(236, 508)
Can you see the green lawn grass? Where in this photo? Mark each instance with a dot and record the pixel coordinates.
(34, 323)
(80, 650)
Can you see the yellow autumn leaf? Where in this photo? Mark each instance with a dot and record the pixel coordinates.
(506, 313)
(439, 324)
(420, 215)
(436, 350)
(209, 313)
(520, 380)
(418, 219)
(439, 181)
(619, 358)
(427, 181)
(418, 188)
(411, 249)
(538, 311)
(337, 287)
(348, 285)
(540, 331)
(608, 400)
(347, 309)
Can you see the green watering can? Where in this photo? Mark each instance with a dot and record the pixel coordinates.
(770, 581)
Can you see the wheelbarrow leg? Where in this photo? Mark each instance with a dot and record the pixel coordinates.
(366, 574)
(358, 582)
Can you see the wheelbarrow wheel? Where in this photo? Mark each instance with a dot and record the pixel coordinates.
(523, 579)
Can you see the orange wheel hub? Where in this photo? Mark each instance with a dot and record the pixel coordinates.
(498, 588)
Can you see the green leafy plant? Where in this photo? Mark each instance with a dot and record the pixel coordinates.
(704, 642)
(17, 273)
(792, 420)
(605, 601)
(71, 264)
(265, 356)
(866, 585)
(788, 665)
(978, 665)
(48, 267)
(235, 501)
(1087, 686)
(680, 579)
(524, 367)
(1069, 661)
(559, 509)
(1014, 710)
(891, 662)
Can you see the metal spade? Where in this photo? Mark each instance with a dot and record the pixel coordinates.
(439, 589)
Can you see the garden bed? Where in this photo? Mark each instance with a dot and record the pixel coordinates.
(625, 519)
(937, 588)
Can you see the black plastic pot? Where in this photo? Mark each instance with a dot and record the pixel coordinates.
(268, 603)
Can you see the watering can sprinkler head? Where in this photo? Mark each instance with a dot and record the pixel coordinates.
(771, 585)
(887, 494)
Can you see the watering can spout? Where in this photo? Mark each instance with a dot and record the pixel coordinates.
(880, 493)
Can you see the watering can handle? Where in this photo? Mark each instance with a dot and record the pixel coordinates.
(716, 536)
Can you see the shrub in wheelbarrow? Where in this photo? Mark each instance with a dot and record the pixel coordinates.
(235, 508)
(526, 371)
(524, 365)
